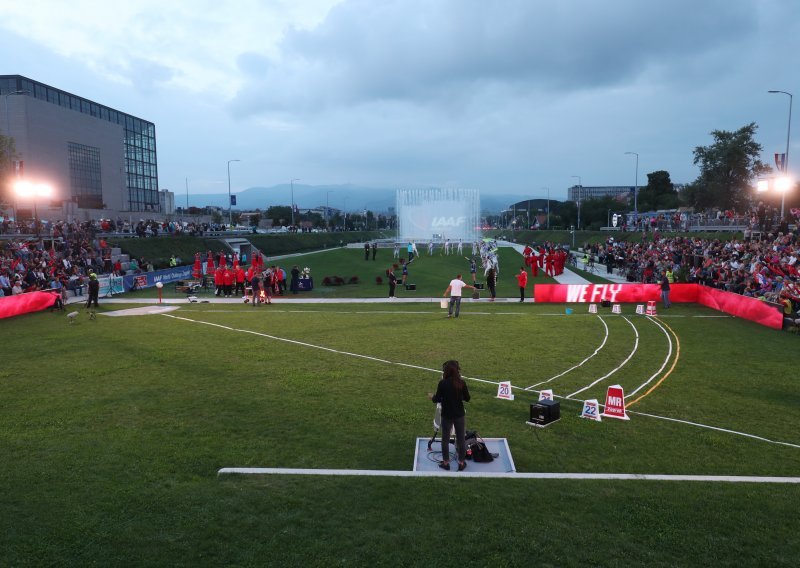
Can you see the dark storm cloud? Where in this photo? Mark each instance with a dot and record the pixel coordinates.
(416, 51)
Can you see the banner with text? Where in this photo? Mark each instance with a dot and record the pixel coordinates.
(734, 304)
(149, 279)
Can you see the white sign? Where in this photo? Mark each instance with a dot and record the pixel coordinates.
(640, 309)
(591, 410)
(616, 309)
(592, 308)
(546, 394)
(614, 219)
(504, 391)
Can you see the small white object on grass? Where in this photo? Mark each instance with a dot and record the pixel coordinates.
(71, 317)
(192, 299)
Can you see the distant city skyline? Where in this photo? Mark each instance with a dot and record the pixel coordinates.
(514, 98)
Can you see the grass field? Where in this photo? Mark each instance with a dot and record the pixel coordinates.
(112, 432)
(431, 274)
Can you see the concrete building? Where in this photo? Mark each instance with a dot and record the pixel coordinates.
(100, 162)
(583, 192)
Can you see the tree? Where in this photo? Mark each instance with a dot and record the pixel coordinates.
(255, 219)
(659, 193)
(280, 214)
(727, 169)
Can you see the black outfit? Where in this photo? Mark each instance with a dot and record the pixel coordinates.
(374, 250)
(392, 283)
(452, 400)
(94, 292)
(491, 282)
(295, 279)
(366, 251)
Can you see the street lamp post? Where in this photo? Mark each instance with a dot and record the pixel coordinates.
(635, 188)
(580, 191)
(786, 159)
(548, 206)
(292, 207)
(328, 209)
(230, 214)
(8, 126)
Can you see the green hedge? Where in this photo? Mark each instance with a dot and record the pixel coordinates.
(158, 250)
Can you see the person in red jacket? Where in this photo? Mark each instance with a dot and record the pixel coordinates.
(219, 280)
(550, 263)
(522, 280)
(239, 281)
(228, 278)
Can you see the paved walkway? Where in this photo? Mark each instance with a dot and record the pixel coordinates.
(570, 277)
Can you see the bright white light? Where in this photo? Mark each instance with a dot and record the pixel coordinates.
(783, 184)
(28, 189)
(763, 185)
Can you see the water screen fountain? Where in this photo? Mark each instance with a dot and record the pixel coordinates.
(438, 214)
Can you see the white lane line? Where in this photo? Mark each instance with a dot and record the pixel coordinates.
(625, 362)
(596, 351)
(715, 428)
(666, 360)
(508, 475)
(328, 349)
(320, 347)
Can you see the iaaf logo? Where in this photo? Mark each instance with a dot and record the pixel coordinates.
(448, 221)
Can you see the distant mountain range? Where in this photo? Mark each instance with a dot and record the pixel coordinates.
(347, 197)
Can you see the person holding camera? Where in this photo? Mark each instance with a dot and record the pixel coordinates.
(452, 393)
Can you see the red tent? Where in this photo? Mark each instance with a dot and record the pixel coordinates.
(197, 269)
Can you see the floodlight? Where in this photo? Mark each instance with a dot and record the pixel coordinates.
(783, 184)
(763, 185)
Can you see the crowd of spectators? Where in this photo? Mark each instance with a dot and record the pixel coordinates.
(765, 268)
(761, 218)
(142, 228)
(63, 261)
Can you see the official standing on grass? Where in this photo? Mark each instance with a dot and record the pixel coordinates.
(665, 291)
(392, 282)
(522, 280)
(454, 289)
(452, 393)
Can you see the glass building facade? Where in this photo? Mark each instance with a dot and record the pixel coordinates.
(141, 164)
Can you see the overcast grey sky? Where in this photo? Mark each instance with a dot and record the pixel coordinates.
(503, 97)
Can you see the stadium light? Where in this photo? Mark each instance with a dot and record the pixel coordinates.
(33, 191)
(762, 186)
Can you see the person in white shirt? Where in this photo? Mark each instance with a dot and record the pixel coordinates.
(454, 289)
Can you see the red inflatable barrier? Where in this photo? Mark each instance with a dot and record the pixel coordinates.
(727, 302)
(740, 306)
(11, 306)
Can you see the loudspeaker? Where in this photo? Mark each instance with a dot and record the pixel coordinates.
(605, 303)
(411, 286)
(479, 285)
(545, 412)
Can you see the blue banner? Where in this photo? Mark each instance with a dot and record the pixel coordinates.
(149, 279)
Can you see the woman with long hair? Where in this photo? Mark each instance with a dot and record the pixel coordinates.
(452, 392)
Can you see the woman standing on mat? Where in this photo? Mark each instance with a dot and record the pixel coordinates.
(452, 392)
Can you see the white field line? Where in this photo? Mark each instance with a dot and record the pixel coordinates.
(666, 360)
(330, 350)
(727, 431)
(596, 351)
(625, 362)
(508, 475)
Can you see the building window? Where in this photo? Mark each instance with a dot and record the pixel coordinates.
(84, 173)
